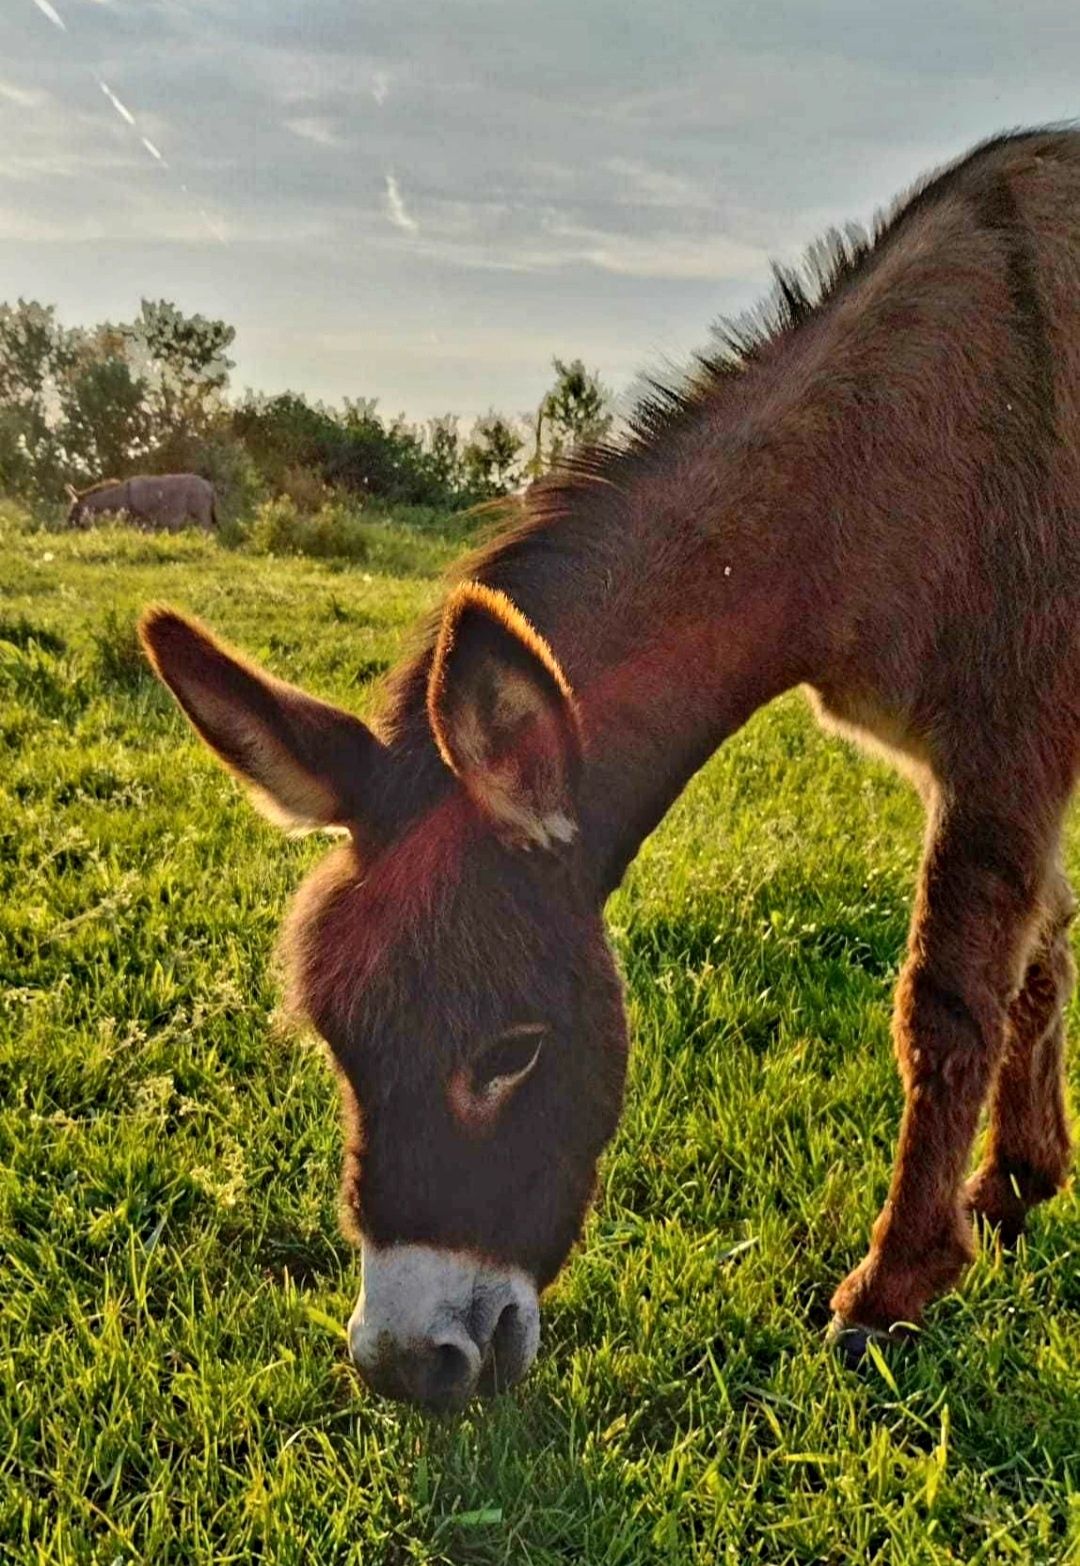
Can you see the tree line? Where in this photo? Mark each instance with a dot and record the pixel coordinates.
(152, 395)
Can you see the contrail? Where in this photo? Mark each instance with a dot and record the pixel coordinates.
(124, 113)
(128, 118)
(49, 11)
(52, 13)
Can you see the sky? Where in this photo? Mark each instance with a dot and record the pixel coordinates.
(423, 201)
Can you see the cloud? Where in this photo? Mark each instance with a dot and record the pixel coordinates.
(593, 180)
(652, 187)
(713, 256)
(175, 226)
(399, 215)
(315, 129)
(715, 259)
(24, 97)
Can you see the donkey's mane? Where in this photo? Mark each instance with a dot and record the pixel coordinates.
(589, 491)
(92, 489)
(829, 267)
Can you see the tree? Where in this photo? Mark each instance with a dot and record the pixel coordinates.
(152, 394)
(34, 351)
(104, 422)
(81, 404)
(183, 360)
(490, 458)
(443, 452)
(573, 413)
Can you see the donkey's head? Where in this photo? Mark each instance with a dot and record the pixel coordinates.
(452, 955)
(76, 507)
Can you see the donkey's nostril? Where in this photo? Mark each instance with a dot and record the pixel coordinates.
(504, 1362)
(507, 1333)
(452, 1367)
(449, 1374)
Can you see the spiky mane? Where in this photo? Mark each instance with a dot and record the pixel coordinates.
(92, 489)
(559, 521)
(830, 266)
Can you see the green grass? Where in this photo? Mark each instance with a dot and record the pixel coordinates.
(174, 1385)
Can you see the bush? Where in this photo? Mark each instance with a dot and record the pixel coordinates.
(299, 445)
(118, 656)
(281, 528)
(306, 489)
(152, 396)
(407, 541)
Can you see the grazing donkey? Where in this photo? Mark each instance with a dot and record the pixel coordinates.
(874, 491)
(166, 501)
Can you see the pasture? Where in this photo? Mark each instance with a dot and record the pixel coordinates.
(174, 1382)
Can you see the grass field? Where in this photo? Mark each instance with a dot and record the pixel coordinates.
(174, 1383)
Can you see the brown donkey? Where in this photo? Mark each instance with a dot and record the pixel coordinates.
(873, 491)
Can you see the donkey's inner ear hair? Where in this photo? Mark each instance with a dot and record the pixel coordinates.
(504, 719)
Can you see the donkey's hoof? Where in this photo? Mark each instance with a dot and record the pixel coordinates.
(990, 1198)
(850, 1340)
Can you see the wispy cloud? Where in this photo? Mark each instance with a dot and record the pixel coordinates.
(400, 216)
(594, 207)
(651, 187)
(313, 128)
(174, 224)
(706, 256)
(23, 97)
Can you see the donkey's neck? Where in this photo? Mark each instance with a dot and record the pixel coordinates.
(674, 602)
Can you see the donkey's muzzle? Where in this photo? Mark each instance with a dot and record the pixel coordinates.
(437, 1327)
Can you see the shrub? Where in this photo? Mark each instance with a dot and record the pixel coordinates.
(118, 656)
(402, 542)
(335, 530)
(305, 488)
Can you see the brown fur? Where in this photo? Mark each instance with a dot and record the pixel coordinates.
(873, 491)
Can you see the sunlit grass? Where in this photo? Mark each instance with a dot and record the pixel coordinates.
(173, 1383)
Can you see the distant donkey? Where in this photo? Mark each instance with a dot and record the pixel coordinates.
(873, 491)
(165, 502)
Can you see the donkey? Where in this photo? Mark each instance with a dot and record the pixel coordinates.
(871, 490)
(167, 501)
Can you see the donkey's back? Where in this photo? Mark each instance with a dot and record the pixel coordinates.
(168, 501)
(955, 613)
(171, 500)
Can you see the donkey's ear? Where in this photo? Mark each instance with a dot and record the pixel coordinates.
(304, 763)
(504, 719)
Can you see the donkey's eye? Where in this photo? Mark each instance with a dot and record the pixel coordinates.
(509, 1060)
(479, 1091)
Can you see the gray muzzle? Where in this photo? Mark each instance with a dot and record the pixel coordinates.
(436, 1327)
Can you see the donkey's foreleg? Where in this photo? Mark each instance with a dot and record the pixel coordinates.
(1028, 1148)
(974, 924)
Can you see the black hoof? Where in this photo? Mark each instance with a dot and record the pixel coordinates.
(1006, 1229)
(850, 1341)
